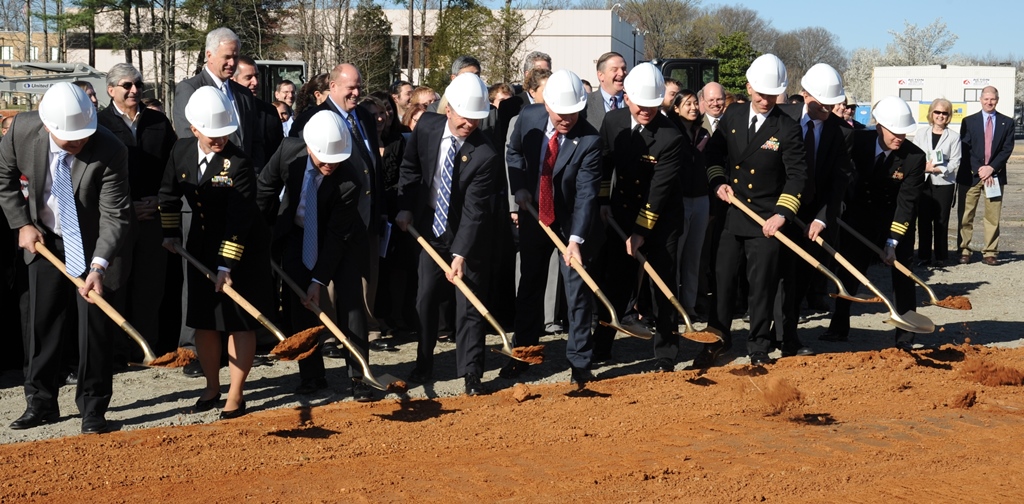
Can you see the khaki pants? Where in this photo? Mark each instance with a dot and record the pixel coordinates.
(967, 205)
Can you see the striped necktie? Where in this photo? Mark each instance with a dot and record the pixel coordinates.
(309, 234)
(74, 253)
(444, 192)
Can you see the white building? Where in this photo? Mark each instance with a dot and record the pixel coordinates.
(961, 85)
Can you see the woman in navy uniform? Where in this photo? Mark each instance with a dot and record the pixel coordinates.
(227, 233)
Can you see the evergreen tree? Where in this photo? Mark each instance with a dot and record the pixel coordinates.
(370, 46)
(735, 55)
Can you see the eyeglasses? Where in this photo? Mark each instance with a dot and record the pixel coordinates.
(127, 86)
(940, 112)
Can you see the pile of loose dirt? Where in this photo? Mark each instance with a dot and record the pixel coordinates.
(530, 355)
(990, 374)
(955, 302)
(300, 345)
(176, 359)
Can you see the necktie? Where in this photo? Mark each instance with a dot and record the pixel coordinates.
(546, 196)
(444, 192)
(880, 161)
(714, 126)
(202, 167)
(614, 104)
(355, 129)
(989, 130)
(309, 233)
(74, 253)
(810, 157)
(753, 129)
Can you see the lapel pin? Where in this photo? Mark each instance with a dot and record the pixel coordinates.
(465, 158)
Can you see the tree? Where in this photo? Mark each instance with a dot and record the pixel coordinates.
(369, 45)
(458, 32)
(506, 34)
(664, 24)
(735, 55)
(925, 46)
(803, 48)
(254, 22)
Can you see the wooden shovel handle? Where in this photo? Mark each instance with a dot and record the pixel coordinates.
(874, 248)
(479, 305)
(778, 234)
(562, 248)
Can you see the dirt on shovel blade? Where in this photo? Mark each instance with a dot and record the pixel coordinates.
(176, 359)
(702, 337)
(530, 355)
(956, 303)
(398, 387)
(300, 345)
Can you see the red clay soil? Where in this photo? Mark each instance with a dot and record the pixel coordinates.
(529, 354)
(864, 427)
(300, 345)
(955, 302)
(176, 359)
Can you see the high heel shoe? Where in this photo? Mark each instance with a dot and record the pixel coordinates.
(235, 413)
(206, 404)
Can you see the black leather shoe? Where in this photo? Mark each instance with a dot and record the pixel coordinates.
(361, 392)
(94, 423)
(664, 366)
(193, 369)
(603, 358)
(473, 385)
(235, 413)
(797, 350)
(580, 376)
(34, 418)
(420, 376)
(383, 346)
(331, 350)
(906, 346)
(760, 359)
(833, 336)
(261, 360)
(512, 369)
(206, 404)
(708, 355)
(311, 386)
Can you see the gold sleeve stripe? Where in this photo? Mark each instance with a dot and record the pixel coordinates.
(790, 202)
(898, 228)
(231, 250)
(606, 189)
(170, 220)
(645, 222)
(715, 171)
(647, 214)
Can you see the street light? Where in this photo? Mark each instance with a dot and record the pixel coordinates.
(635, 31)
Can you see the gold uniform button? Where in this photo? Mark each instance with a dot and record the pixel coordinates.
(737, 167)
(637, 182)
(735, 181)
(748, 200)
(367, 193)
(750, 186)
(203, 228)
(751, 171)
(366, 171)
(201, 216)
(200, 205)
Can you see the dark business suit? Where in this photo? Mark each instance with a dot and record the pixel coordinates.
(646, 167)
(883, 206)
(99, 176)
(597, 107)
(474, 178)
(766, 173)
(576, 180)
(341, 247)
(971, 189)
(148, 150)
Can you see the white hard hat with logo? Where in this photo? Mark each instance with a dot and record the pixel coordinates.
(67, 112)
(895, 115)
(767, 75)
(824, 84)
(211, 113)
(467, 96)
(645, 85)
(328, 137)
(564, 93)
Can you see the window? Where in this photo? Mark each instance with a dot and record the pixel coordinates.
(910, 94)
(54, 54)
(34, 54)
(972, 95)
(6, 53)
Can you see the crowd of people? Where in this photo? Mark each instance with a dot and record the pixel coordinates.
(347, 191)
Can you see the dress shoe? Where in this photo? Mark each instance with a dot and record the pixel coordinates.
(603, 358)
(664, 365)
(206, 404)
(261, 360)
(555, 327)
(331, 350)
(72, 379)
(760, 359)
(34, 418)
(420, 376)
(965, 259)
(906, 346)
(580, 376)
(193, 369)
(361, 392)
(473, 385)
(989, 260)
(382, 345)
(923, 263)
(235, 413)
(829, 335)
(796, 349)
(94, 423)
(512, 369)
(707, 356)
(311, 386)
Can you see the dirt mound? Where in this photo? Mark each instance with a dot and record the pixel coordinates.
(178, 358)
(956, 303)
(963, 400)
(780, 394)
(300, 345)
(989, 373)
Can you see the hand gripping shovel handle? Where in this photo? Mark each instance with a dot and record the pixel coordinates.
(103, 304)
(231, 292)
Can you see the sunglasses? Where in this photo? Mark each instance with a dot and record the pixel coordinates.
(940, 112)
(127, 86)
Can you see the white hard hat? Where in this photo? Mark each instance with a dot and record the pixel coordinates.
(564, 93)
(824, 84)
(67, 112)
(767, 75)
(895, 115)
(211, 113)
(467, 95)
(645, 85)
(328, 137)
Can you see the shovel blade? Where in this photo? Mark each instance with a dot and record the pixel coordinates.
(859, 298)
(708, 335)
(913, 322)
(632, 330)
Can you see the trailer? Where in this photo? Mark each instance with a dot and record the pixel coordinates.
(57, 72)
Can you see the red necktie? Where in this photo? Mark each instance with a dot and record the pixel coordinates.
(989, 127)
(546, 196)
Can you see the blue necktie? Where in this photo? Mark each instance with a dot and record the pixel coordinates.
(74, 253)
(444, 193)
(309, 250)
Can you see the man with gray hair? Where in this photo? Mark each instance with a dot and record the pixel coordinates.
(465, 63)
(712, 105)
(535, 59)
(149, 138)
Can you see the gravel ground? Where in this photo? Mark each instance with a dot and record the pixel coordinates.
(146, 398)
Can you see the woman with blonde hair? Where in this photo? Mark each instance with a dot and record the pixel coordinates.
(943, 149)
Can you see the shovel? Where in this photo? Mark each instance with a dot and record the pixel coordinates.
(385, 382)
(530, 355)
(104, 305)
(237, 298)
(909, 321)
(906, 271)
(634, 330)
(710, 335)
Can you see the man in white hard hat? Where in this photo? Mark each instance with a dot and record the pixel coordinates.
(447, 183)
(889, 178)
(317, 225)
(643, 154)
(554, 166)
(611, 73)
(757, 157)
(78, 205)
(827, 145)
